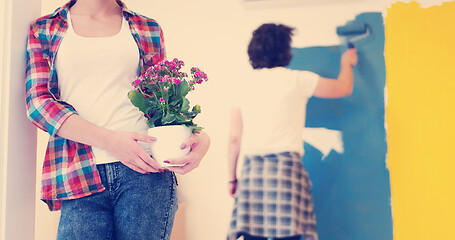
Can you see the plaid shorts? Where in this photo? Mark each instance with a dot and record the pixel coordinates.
(273, 198)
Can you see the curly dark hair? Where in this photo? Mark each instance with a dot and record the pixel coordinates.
(270, 46)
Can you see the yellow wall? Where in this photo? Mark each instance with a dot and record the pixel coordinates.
(420, 60)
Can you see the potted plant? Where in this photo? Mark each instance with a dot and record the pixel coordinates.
(160, 93)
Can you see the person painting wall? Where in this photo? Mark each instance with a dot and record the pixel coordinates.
(351, 188)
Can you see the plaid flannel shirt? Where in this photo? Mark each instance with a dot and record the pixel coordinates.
(69, 171)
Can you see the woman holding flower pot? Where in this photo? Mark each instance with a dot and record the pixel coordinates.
(96, 168)
(273, 196)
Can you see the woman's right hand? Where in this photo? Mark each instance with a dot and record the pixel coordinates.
(349, 57)
(124, 146)
(232, 188)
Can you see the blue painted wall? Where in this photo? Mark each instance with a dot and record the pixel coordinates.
(351, 190)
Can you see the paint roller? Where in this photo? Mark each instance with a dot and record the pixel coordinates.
(353, 28)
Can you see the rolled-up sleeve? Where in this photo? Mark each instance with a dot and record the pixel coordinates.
(43, 110)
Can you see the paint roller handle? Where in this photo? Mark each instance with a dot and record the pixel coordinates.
(351, 45)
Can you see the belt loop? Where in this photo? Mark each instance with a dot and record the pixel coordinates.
(109, 173)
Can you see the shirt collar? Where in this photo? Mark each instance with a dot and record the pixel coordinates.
(63, 10)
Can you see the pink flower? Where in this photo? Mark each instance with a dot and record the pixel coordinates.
(178, 63)
(136, 82)
(177, 81)
(162, 100)
(165, 88)
(165, 79)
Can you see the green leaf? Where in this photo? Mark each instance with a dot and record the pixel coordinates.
(173, 93)
(138, 100)
(175, 103)
(190, 115)
(185, 105)
(151, 123)
(155, 120)
(182, 119)
(183, 89)
(168, 119)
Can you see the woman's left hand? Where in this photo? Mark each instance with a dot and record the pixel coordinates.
(199, 144)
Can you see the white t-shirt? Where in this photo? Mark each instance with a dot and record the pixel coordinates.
(273, 106)
(95, 75)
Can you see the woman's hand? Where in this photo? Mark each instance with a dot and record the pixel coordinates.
(199, 144)
(124, 146)
(235, 136)
(233, 188)
(349, 57)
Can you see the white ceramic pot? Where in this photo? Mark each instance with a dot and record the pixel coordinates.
(168, 142)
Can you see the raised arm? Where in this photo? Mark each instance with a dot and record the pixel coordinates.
(342, 86)
(235, 137)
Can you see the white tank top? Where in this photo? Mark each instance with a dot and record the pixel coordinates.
(95, 75)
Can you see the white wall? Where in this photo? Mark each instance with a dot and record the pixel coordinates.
(17, 135)
(2, 119)
(423, 3)
(46, 222)
(213, 34)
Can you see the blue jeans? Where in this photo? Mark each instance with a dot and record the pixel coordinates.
(133, 206)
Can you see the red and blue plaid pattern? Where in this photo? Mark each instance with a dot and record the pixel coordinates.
(69, 171)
